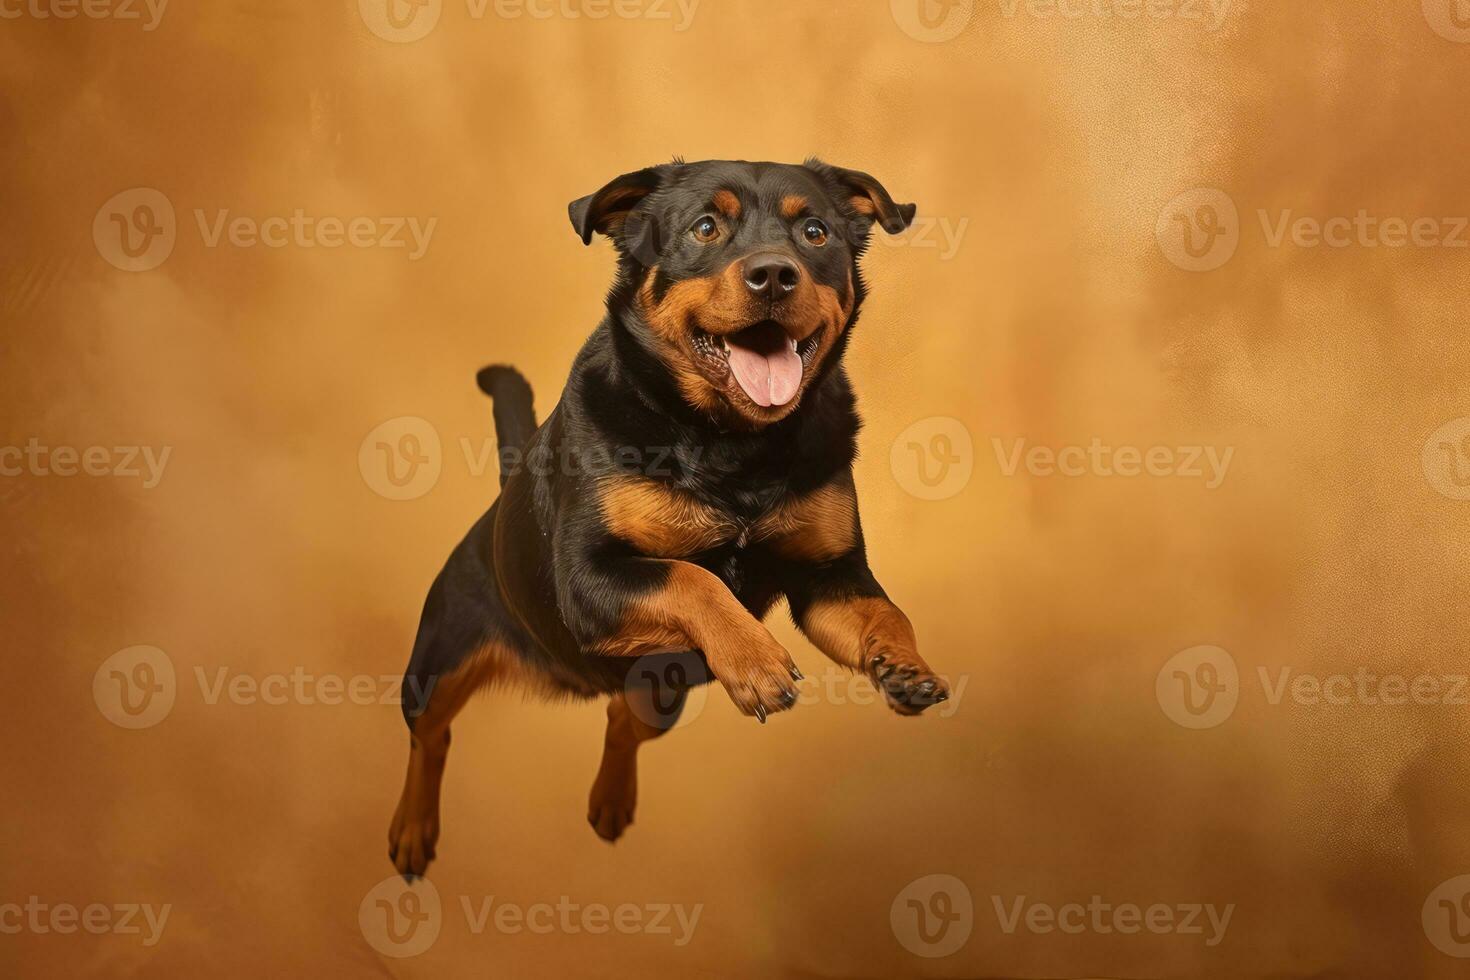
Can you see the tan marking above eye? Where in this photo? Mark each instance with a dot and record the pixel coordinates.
(659, 520)
(818, 526)
(792, 205)
(727, 204)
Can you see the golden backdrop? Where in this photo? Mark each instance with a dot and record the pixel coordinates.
(1208, 717)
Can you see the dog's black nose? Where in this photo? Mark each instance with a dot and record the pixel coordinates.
(771, 275)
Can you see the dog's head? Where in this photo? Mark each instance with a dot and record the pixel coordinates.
(741, 277)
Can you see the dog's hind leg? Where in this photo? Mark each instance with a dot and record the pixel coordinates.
(643, 711)
(430, 706)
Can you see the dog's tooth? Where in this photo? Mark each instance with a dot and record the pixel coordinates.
(792, 342)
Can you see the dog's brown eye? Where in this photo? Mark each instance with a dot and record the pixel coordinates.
(706, 230)
(814, 232)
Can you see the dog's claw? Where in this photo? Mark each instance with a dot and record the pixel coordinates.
(760, 713)
(796, 674)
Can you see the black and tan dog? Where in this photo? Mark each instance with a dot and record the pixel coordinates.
(697, 469)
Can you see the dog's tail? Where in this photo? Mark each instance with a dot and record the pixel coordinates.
(515, 415)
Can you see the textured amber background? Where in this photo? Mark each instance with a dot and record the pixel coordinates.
(1056, 142)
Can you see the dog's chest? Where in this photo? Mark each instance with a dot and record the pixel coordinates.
(662, 521)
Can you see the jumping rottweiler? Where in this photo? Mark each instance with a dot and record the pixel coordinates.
(697, 469)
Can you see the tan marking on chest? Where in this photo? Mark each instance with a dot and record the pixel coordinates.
(818, 526)
(659, 520)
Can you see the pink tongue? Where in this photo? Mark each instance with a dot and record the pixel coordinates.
(769, 370)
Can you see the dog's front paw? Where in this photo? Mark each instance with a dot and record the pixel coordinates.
(906, 681)
(760, 687)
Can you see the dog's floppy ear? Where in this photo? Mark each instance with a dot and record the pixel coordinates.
(867, 196)
(606, 210)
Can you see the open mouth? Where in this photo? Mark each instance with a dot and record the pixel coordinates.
(767, 363)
